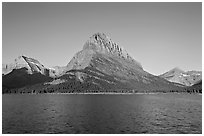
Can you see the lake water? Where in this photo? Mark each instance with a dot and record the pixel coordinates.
(136, 113)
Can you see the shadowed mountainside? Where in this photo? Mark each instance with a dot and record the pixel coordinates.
(196, 88)
(19, 78)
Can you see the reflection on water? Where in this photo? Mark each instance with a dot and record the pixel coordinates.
(140, 113)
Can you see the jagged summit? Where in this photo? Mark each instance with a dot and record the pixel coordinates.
(99, 46)
(101, 43)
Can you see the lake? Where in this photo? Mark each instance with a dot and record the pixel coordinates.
(98, 113)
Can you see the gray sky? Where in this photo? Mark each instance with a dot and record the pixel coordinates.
(160, 36)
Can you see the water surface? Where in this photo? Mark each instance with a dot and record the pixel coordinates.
(136, 113)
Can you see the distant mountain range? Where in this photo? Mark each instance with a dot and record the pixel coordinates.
(101, 66)
(32, 66)
(177, 75)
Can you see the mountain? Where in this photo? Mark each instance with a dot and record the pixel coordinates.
(104, 65)
(24, 71)
(32, 65)
(100, 48)
(177, 75)
(101, 66)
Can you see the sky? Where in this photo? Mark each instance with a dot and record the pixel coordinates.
(160, 36)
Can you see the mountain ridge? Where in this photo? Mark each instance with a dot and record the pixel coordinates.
(101, 65)
(187, 78)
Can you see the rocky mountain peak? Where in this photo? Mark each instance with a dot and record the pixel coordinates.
(18, 63)
(97, 39)
(30, 63)
(100, 46)
(101, 36)
(22, 61)
(101, 43)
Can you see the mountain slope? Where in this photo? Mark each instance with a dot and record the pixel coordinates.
(179, 76)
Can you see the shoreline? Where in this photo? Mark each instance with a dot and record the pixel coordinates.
(105, 93)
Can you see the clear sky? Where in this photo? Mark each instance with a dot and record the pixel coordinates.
(160, 36)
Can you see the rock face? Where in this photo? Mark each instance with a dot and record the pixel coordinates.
(177, 75)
